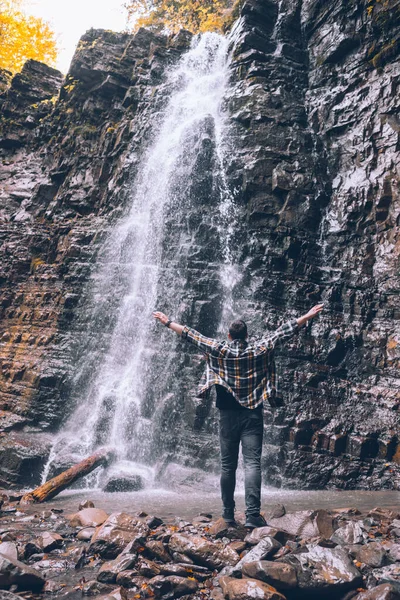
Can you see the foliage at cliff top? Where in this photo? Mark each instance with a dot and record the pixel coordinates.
(23, 37)
(197, 16)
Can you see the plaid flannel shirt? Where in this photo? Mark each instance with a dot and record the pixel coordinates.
(246, 370)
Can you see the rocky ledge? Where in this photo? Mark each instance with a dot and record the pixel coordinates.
(305, 554)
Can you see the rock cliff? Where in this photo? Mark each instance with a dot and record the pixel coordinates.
(313, 111)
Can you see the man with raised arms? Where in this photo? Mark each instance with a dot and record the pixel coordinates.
(244, 376)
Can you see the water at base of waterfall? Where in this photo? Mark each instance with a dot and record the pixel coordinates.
(110, 384)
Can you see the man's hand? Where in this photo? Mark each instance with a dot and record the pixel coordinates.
(313, 312)
(164, 320)
(161, 317)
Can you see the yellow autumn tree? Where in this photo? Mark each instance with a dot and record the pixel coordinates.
(23, 36)
(197, 16)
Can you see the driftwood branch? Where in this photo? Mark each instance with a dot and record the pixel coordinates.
(59, 483)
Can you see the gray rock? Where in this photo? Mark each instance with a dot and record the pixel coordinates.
(324, 569)
(243, 589)
(14, 572)
(351, 533)
(389, 574)
(265, 548)
(381, 592)
(9, 549)
(203, 551)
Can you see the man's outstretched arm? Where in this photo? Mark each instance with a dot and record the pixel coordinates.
(164, 320)
(290, 328)
(205, 344)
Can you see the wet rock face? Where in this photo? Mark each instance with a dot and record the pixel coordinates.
(313, 121)
(317, 164)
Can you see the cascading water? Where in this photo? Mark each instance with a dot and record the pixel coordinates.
(118, 378)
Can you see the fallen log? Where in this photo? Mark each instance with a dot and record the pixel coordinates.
(59, 483)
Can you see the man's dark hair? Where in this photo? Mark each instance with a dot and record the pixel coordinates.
(238, 330)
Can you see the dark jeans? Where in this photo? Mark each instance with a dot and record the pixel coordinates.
(244, 426)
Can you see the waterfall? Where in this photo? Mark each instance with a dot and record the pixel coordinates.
(132, 276)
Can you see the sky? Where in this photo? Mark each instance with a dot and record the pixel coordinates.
(71, 18)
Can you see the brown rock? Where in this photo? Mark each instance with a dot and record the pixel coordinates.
(147, 568)
(86, 534)
(305, 523)
(372, 554)
(386, 591)
(280, 575)
(172, 585)
(274, 512)
(131, 580)
(246, 589)
(50, 541)
(266, 548)
(86, 504)
(157, 550)
(203, 551)
(109, 570)
(115, 534)
(220, 529)
(88, 517)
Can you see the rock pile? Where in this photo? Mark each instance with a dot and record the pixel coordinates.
(302, 555)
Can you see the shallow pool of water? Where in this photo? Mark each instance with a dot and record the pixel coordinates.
(188, 504)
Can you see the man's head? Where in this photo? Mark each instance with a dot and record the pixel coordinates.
(238, 330)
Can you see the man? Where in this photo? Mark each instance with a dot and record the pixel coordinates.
(244, 376)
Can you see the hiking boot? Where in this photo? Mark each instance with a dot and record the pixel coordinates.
(229, 517)
(253, 521)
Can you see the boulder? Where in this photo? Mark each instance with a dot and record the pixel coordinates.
(116, 532)
(109, 570)
(372, 554)
(203, 551)
(14, 572)
(172, 586)
(386, 591)
(131, 580)
(88, 517)
(280, 575)
(246, 589)
(123, 483)
(50, 541)
(157, 550)
(220, 529)
(304, 523)
(324, 570)
(351, 533)
(266, 548)
(147, 568)
(261, 532)
(389, 574)
(85, 534)
(9, 549)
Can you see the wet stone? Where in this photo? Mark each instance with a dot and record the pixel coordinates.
(246, 589)
(86, 504)
(85, 534)
(351, 533)
(280, 575)
(88, 517)
(372, 554)
(50, 541)
(266, 548)
(389, 574)
(94, 588)
(261, 532)
(386, 591)
(109, 570)
(172, 586)
(14, 572)
(157, 550)
(116, 532)
(9, 549)
(203, 551)
(147, 568)
(131, 580)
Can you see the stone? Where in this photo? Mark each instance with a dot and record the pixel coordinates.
(123, 483)
(147, 568)
(14, 572)
(88, 517)
(203, 551)
(389, 574)
(280, 575)
(351, 533)
(386, 591)
(50, 541)
(372, 554)
(109, 570)
(9, 549)
(116, 532)
(324, 570)
(220, 529)
(52, 587)
(172, 586)
(131, 580)
(265, 548)
(9, 596)
(94, 588)
(274, 512)
(85, 504)
(85, 534)
(306, 523)
(243, 589)
(157, 550)
(261, 532)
